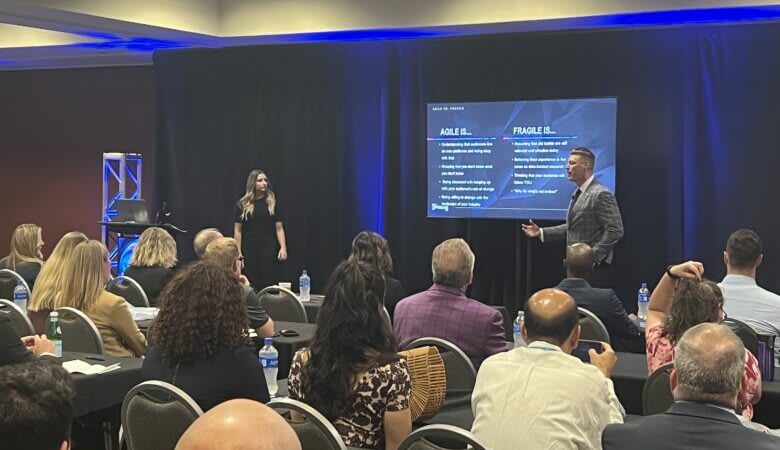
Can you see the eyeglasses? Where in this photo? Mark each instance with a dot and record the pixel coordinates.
(723, 315)
(241, 259)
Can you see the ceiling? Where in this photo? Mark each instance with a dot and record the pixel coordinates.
(82, 33)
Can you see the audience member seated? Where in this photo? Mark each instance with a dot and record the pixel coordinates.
(14, 350)
(203, 239)
(239, 425)
(372, 248)
(200, 339)
(743, 299)
(539, 396)
(224, 252)
(37, 407)
(444, 311)
(705, 383)
(682, 299)
(83, 283)
(49, 281)
(604, 303)
(153, 262)
(351, 373)
(26, 257)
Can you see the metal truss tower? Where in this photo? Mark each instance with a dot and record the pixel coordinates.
(121, 180)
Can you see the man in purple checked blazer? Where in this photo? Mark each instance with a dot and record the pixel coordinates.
(444, 311)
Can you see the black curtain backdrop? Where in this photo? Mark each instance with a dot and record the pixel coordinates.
(340, 129)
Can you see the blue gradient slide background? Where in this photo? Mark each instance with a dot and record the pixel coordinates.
(490, 171)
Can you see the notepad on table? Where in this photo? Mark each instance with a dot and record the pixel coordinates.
(79, 366)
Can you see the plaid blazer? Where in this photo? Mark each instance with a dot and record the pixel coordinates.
(594, 219)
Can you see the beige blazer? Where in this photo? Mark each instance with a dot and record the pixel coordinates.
(121, 336)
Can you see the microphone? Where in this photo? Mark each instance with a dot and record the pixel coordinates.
(163, 213)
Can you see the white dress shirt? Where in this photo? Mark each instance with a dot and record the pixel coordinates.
(539, 397)
(744, 300)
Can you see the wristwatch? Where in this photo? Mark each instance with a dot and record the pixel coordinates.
(669, 272)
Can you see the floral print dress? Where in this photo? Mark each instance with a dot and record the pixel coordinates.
(382, 388)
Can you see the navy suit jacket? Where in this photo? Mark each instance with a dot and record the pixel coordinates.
(12, 350)
(687, 426)
(606, 305)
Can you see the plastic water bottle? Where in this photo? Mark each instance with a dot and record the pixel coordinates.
(642, 300)
(517, 329)
(269, 358)
(53, 332)
(304, 287)
(20, 296)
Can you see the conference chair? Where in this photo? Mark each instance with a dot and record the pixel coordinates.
(128, 289)
(8, 281)
(459, 370)
(282, 305)
(155, 414)
(315, 431)
(657, 393)
(79, 333)
(455, 438)
(745, 332)
(19, 320)
(593, 328)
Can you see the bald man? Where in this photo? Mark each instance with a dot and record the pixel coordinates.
(604, 303)
(444, 311)
(239, 425)
(540, 396)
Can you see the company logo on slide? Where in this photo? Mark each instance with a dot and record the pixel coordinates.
(436, 206)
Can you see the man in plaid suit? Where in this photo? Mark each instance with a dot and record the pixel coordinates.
(593, 218)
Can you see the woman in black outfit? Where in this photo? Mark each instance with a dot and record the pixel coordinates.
(201, 343)
(153, 261)
(259, 230)
(372, 248)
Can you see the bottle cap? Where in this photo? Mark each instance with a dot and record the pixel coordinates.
(268, 341)
(644, 285)
(304, 272)
(54, 314)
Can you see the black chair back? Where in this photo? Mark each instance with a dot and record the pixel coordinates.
(79, 333)
(657, 393)
(19, 320)
(8, 281)
(315, 431)
(155, 414)
(458, 368)
(593, 328)
(745, 333)
(444, 437)
(128, 289)
(282, 304)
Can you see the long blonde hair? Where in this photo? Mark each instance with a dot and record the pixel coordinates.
(48, 283)
(248, 200)
(155, 248)
(83, 280)
(24, 245)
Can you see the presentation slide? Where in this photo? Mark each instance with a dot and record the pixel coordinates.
(507, 160)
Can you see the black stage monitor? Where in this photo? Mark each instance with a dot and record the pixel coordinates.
(131, 211)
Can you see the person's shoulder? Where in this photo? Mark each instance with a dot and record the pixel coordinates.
(111, 301)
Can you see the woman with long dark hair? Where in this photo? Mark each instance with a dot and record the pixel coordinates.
(682, 300)
(201, 342)
(259, 230)
(351, 373)
(372, 248)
